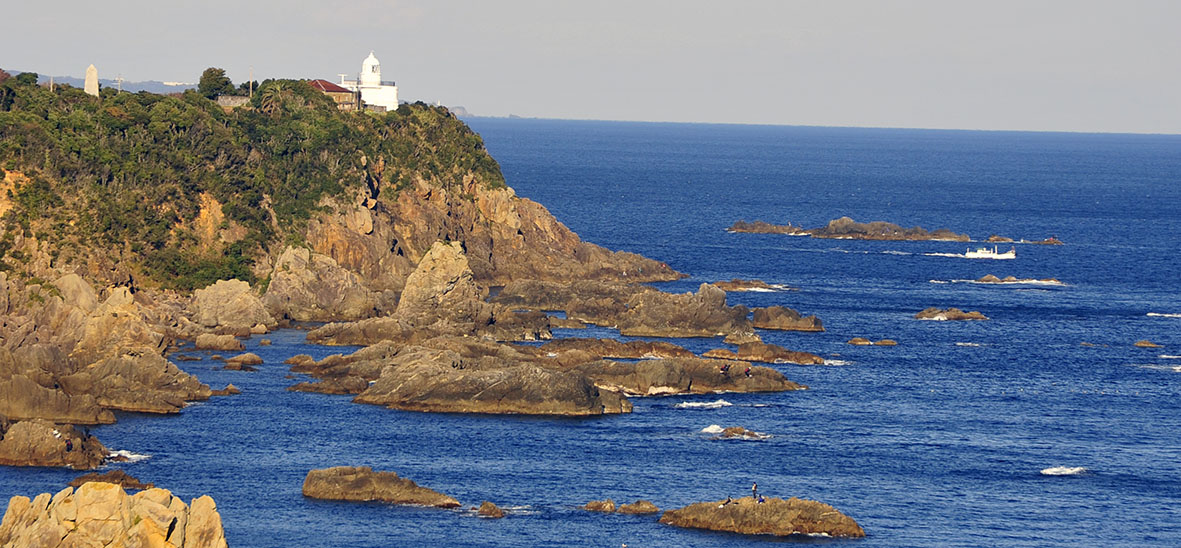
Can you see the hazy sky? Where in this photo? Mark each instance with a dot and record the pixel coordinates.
(1071, 65)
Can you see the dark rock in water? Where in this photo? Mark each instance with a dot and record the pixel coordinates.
(1048, 241)
(600, 506)
(361, 483)
(749, 285)
(239, 367)
(685, 376)
(950, 314)
(701, 314)
(186, 358)
(860, 341)
(264, 342)
(785, 319)
(742, 338)
(41, 443)
(1146, 344)
(489, 510)
(994, 239)
(886, 342)
(773, 517)
(117, 477)
(638, 507)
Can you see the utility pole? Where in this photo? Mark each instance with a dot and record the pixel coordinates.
(250, 86)
(119, 81)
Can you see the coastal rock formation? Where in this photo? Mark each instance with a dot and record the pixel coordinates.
(684, 376)
(489, 510)
(763, 227)
(309, 286)
(21, 398)
(607, 506)
(785, 319)
(742, 338)
(1052, 240)
(995, 239)
(361, 483)
(1146, 344)
(638, 507)
(701, 314)
(775, 517)
(765, 353)
(117, 477)
(231, 304)
(949, 314)
(145, 383)
(249, 358)
(209, 341)
(749, 285)
(41, 443)
(862, 341)
(991, 279)
(611, 348)
(229, 390)
(431, 380)
(102, 514)
(846, 228)
(442, 290)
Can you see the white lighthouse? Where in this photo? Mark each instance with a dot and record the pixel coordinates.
(374, 91)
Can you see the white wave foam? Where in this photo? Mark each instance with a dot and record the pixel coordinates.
(713, 429)
(1064, 471)
(131, 457)
(1163, 315)
(967, 344)
(892, 252)
(1169, 357)
(939, 281)
(828, 361)
(703, 405)
(960, 255)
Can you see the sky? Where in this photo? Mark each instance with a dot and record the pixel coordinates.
(1045, 65)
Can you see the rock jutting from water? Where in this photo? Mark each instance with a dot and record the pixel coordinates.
(117, 477)
(846, 228)
(775, 516)
(38, 442)
(489, 510)
(103, 514)
(949, 314)
(361, 483)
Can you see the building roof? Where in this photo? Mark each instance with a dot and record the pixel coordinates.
(327, 87)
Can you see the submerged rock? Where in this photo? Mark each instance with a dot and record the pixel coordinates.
(361, 483)
(685, 376)
(860, 341)
(1146, 344)
(775, 517)
(103, 514)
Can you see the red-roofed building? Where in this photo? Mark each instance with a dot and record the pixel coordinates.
(345, 99)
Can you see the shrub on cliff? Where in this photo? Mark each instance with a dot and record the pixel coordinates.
(125, 175)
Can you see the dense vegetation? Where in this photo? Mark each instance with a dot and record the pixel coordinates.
(125, 172)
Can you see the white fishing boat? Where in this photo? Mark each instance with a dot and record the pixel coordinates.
(986, 253)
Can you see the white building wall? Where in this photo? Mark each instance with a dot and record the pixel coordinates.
(384, 96)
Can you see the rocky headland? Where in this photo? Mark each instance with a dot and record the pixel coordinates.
(361, 483)
(103, 514)
(775, 516)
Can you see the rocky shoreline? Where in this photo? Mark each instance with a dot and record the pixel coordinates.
(846, 228)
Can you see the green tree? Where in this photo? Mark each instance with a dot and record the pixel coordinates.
(214, 82)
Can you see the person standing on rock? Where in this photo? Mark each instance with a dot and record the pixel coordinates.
(754, 490)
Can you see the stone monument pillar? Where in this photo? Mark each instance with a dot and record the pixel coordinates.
(91, 81)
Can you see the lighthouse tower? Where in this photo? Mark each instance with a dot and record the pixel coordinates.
(374, 91)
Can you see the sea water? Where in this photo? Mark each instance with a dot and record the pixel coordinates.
(1006, 432)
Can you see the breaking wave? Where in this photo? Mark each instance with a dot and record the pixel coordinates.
(1169, 357)
(127, 456)
(968, 344)
(703, 405)
(1163, 315)
(837, 362)
(1064, 471)
(713, 429)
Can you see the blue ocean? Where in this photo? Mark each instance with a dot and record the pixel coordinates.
(1043, 426)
